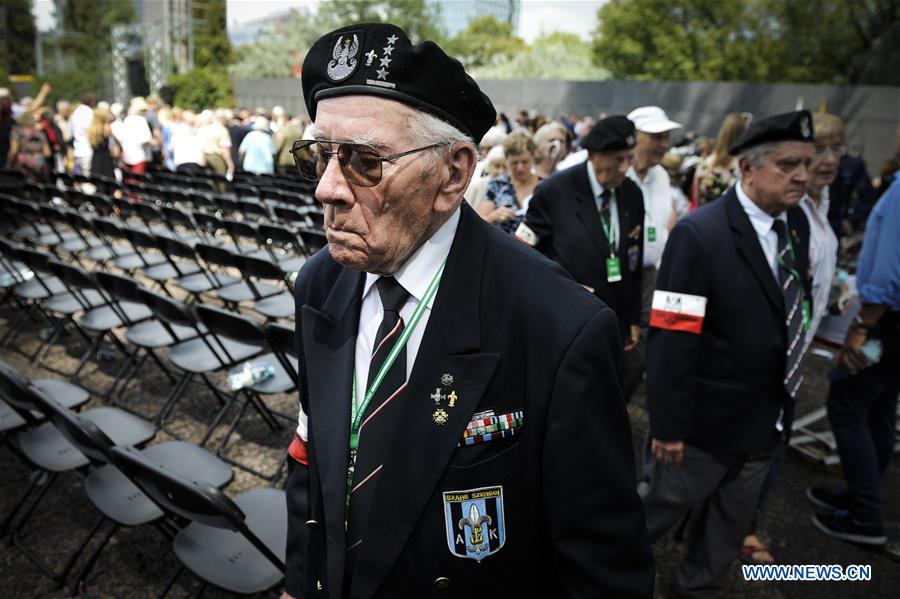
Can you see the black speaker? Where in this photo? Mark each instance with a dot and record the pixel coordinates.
(137, 77)
(167, 94)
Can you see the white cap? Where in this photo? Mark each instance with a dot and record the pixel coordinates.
(651, 119)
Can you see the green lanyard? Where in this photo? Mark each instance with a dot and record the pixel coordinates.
(607, 229)
(358, 411)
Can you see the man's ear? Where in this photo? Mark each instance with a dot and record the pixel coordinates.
(460, 168)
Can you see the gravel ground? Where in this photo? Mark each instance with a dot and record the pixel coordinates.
(139, 562)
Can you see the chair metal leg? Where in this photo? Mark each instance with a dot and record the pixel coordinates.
(5, 526)
(79, 584)
(161, 418)
(171, 583)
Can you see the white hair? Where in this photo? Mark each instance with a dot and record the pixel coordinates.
(428, 130)
(756, 155)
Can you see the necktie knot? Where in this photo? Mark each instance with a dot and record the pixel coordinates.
(392, 293)
(780, 230)
(605, 196)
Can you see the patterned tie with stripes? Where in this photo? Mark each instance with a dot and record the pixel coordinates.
(793, 296)
(380, 417)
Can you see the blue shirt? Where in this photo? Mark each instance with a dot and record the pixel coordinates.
(878, 271)
(259, 151)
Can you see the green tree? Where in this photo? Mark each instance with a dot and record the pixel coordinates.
(17, 35)
(211, 45)
(413, 16)
(486, 41)
(552, 56)
(275, 52)
(84, 46)
(202, 87)
(814, 41)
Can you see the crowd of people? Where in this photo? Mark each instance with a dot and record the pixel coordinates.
(98, 138)
(718, 258)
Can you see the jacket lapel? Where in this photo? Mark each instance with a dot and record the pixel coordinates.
(751, 250)
(587, 211)
(421, 449)
(329, 338)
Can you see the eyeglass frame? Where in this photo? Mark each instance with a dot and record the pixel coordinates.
(299, 144)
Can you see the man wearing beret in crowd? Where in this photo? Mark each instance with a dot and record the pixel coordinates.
(728, 321)
(461, 429)
(589, 218)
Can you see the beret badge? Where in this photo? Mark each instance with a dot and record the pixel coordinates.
(344, 56)
(804, 127)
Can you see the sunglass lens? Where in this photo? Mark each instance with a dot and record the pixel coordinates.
(359, 165)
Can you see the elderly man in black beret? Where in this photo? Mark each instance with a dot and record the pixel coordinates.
(589, 218)
(729, 316)
(461, 429)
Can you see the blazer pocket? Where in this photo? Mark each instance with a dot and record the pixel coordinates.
(487, 460)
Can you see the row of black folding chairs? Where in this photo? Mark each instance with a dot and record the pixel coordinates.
(200, 340)
(192, 256)
(216, 217)
(236, 545)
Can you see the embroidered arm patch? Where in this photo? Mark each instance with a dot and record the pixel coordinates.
(678, 311)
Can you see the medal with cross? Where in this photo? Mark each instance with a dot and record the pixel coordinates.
(440, 416)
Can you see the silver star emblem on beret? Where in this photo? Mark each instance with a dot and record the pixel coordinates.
(392, 39)
(382, 73)
(385, 61)
(387, 50)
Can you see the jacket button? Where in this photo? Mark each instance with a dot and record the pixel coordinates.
(312, 523)
(442, 583)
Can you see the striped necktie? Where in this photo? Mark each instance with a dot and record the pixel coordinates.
(379, 419)
(793, 296)
(604, 204)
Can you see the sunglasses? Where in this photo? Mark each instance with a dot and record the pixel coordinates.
(360, 164)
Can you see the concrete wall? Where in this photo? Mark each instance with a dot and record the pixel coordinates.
(871, 114)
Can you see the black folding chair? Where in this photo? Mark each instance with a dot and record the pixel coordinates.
(227, 327)
(237, 545)
(50, 452)
(200, 356)
(112, 493)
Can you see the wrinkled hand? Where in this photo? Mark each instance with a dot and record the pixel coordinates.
(850, 353)
(668, 452)
(634, 337)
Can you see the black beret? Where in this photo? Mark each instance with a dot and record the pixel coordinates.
(378, 59)
(609, 135)
(790, 126)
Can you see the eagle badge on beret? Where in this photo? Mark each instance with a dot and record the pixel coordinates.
(804, 127)
(343, 56)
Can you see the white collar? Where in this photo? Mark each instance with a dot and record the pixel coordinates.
(820, 208)
(651, 174)
(418, 270)
(596, 188)
(761, 221)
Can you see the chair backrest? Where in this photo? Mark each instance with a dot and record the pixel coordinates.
(80, 432)
(215, 255)
(31, 258)
(239, 228)
(289, 215)
(72, 276)
(230, 325)
(122, 288)
(175, 247)
(259, 268)
(282, 341)
(168, 310)
(17, 392)
(279, 234)
(197, 501)
(313, 240)
(141, 239)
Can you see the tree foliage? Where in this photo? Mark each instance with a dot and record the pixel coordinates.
(486, 41)
(552, 56)
(212, 47)
(277, 51)
(815, 41)
(202, 87)
(17, 35)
